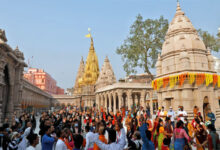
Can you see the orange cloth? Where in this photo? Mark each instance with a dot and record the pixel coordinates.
(101, 138)
(84, 142)
(182, 78)
(164, 147)
(150, 125)
(66, 143)
(165, 81)
(200, 78)
(215, 79)
(128, 121)
(123, 112)
(155, 84)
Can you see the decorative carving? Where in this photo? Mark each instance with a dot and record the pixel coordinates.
(3, 38)
(18, 53)
(91, 72)
(107, 76)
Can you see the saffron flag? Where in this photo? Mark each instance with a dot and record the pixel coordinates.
(88, 35)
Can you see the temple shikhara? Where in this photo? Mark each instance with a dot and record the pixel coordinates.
(86, 79)
(185, 70)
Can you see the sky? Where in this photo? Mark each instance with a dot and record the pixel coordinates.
(53, 31)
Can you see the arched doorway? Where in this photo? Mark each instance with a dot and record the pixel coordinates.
(5, 91)
(206, 107)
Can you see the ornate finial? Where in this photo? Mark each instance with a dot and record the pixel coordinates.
(178, 9)
(106, 58)
(178, 6)
(89, 35)
(18, 53)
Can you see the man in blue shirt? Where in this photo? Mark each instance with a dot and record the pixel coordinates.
(47, 140)
(211, 116)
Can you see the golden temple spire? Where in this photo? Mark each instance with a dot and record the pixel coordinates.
(91, 72)
(77, 88)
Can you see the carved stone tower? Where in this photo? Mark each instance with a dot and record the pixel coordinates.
(107, 76)
(184, 53)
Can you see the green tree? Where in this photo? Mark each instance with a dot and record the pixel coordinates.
(141, 48)
(209, 40)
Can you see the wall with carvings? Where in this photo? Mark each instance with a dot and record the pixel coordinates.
(11, 74)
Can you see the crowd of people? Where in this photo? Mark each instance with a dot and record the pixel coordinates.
(70, 128)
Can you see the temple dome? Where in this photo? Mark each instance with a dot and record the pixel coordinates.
(181, 33)
(183, 50)
(107, 76)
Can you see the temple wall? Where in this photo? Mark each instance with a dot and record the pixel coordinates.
(190, 96)
(35, 99)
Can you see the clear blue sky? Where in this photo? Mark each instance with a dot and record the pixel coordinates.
(53, 31)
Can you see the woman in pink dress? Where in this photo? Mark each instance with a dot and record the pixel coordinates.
(179, 136)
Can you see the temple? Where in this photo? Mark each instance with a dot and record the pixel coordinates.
(91, 72)
(107, 76)
(87, 77)
(185, 70)
(77, 89)
(101, 89)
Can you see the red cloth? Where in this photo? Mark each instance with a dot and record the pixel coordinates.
(164, 147)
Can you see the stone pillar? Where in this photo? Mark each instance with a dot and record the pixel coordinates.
(129, 95)
(120, 99)
(114, 100)
(103, 101)
(142, 99)
(136, 100)
(106, 101)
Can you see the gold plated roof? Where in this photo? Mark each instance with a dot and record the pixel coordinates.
(91, 72)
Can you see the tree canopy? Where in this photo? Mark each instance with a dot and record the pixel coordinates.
(209, 40)
(140, 49)
(142, 46)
